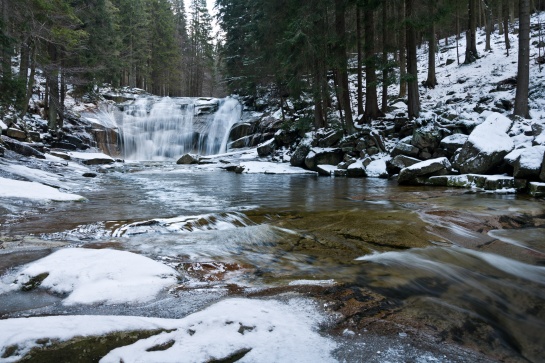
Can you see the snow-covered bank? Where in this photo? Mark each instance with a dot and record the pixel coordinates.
(258, 330)
(10, 188)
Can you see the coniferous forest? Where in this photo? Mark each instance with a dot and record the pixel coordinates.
(168, 47)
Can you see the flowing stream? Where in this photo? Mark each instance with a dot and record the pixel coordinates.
(470, 267)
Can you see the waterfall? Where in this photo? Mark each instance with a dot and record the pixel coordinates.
(154, 128)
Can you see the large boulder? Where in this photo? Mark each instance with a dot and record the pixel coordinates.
(188, 159)
(453, 142)
(356, 170)
(427, 138)
(419, 173)
(486, 146)
(319, 156)
(331, 138)
(241, 130)
(21, 148)
(528, 163)
(266, 148)
(300, 153)
(399, 162)
(404, 148)
(16, 134)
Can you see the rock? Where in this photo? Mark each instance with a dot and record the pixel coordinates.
(486, 146)
(504, 104)
(240, 130)
(417, 173)
(485, 182)
(318, 156)
(325, 170)
(402, 148)
(427, 138)
(536, 189)
(60, 155)
(356, 170)
(98, 161)
(64, 145)
(542, 173)
(89, 175)
(35, 136)
(21, 148)
(74, 140)
(331, 138)
(16, 134)
(2, 151)
(453, 142)
(339, 172)
(242, 142)
(239, 169)
(266, 148)
(188, 159)
(300, 153)
(399, 162)
(528, 163)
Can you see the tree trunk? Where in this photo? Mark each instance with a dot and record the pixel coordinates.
(385, 66)
(30, 83)
(506, 25)
(371, 102)
(402, 54)
(471, 36)
(488, 24)
(457, 37)
(500, 17)
(360, 60)
(523, 74)
(342, 62)
(412, 64)
(431, 82)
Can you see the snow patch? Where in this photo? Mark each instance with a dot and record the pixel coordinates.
(31, 190)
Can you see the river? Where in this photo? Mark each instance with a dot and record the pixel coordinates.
(468, 268)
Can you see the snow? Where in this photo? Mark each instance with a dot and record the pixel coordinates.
(312, 282)
(426, 163)
(454, 139)
(490, 136)
(327, 168)
(3, 126)
(260, 167)
(36, 175)
(89, 156)
(26, 332)
(270, 331)
(532, 158)
(376, 168)
(10, 188)
(90, 276)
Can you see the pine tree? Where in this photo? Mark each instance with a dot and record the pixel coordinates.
(523, 74)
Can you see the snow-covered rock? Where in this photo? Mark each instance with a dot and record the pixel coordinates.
(417, 173)
(188, 159)
(486, 146)
(318, 156)
(90, 276)
(453, 142)
(266, 148)
(10, 188)
(528, 163)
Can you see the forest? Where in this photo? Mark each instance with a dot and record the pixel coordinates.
(288, 48)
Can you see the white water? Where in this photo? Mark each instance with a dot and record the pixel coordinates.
(167, 128)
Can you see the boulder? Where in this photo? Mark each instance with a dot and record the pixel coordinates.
(285, 137)
(537, 189)
(2, 150)
(16, 134)
(453, 142)
(418, 173)
(331, 138)
(188, 159)
(266, 148)
(399, 162)
(242, 142)
(402, 148)
(486, 146)
(240, 130)
(528, 164)
(300, 153)
(356, 170)
(427, 138)
(485, 182)
(319, 156)
(21, 148)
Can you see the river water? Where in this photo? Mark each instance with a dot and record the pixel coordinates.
(468, 267)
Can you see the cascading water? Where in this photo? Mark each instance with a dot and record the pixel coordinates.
(166, 128)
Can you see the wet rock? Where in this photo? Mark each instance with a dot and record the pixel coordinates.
(241, 130)
(21, 148)
(453, 142)
(60, 155)
(35, 136)
(2, 151)
(399, 162)
(536, 189)
(100, 160)
(325, 170)
(74, 140)
(300, 153)
(418, 173)
(485, 182)
(64, 145)
(528, 164)
(340, 172)
(242, 142)
(318, 156)
(16, 134)
(486, 146)
(188, 159)
(89, 175)
(266, 148)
